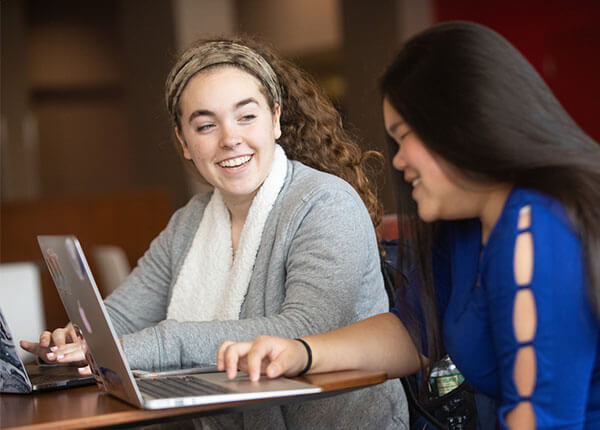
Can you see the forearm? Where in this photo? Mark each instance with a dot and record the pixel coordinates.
(377, 343)
(186, 344)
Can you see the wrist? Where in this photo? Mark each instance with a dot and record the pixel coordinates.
(309, 356)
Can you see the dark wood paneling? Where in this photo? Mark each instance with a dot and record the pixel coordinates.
(127, 219)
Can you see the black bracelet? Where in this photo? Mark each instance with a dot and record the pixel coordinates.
(309, 352)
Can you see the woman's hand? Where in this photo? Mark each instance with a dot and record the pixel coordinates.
(62, 346)
(273, 356)
(380, 342)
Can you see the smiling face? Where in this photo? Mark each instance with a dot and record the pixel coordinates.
(228, 130)
(436, 195)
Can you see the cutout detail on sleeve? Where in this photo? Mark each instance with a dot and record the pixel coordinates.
(524, 325)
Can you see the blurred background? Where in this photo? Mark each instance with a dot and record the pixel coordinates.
(86, 144)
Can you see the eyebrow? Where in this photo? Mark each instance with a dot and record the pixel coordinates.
(205, 112)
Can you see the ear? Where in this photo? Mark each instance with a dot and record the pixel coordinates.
(276, 124)
(186, 152)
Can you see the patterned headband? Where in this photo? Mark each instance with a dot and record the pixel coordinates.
(215, 53)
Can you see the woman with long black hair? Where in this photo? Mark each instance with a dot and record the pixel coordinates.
(503, 259)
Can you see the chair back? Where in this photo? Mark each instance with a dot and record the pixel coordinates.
(21, 302)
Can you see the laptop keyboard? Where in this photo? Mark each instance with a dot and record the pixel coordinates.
(184, 386)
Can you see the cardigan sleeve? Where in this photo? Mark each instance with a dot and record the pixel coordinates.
(141, 301)
(544, 331)
(331, 278)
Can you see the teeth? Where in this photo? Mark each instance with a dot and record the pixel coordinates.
(235, 162)
(416, 182)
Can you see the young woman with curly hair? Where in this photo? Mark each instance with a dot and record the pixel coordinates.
(283, 244)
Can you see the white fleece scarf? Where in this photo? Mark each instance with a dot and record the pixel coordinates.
(212, 284)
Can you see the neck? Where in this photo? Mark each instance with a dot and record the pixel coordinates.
(238, 211)
(491, 210)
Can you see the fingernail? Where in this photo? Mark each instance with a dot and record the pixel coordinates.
(53, 348)
(50, 356)
(60, 356)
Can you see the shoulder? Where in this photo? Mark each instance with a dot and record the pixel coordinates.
(529, 211)
(189, 215)
(545, 205)
(305, 184)
(319, 201)
(534, 240)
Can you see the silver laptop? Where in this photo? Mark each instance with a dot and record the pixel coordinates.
(81, 299)
(15, 377)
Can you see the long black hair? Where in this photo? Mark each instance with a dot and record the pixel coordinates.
(477, 103)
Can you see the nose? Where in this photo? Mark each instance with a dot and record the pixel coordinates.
(229, 136)
(398, 161)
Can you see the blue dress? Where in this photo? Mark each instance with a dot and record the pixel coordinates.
(476, 292)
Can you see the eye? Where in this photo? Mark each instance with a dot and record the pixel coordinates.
(204, 128)
(401, 138)
(248, 118)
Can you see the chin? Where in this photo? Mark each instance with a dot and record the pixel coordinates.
(427, 216)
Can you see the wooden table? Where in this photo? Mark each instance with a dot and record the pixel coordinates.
(87, 407)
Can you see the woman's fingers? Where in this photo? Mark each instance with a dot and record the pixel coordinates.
(45, 339)
(85, 371)
(60, 345)
(33, 347)
(68, 353)
(72, 334)
(39, 349)
(260, 354)
(235, 358)
(60, 337)
(221, 354)
(272, 356)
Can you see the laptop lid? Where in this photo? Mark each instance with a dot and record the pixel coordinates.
(85, 308)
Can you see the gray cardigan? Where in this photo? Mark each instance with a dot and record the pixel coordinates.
(317, 269)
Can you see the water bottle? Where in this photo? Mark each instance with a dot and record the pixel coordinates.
(444, 378)
(455, 411)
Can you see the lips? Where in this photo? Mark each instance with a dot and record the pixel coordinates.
(233, 163)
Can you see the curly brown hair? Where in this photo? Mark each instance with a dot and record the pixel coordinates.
(311, 127)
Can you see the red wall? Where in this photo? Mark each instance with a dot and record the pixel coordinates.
(560, 38)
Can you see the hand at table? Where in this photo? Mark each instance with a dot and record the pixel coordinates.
(62, 346)
(272, 356)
